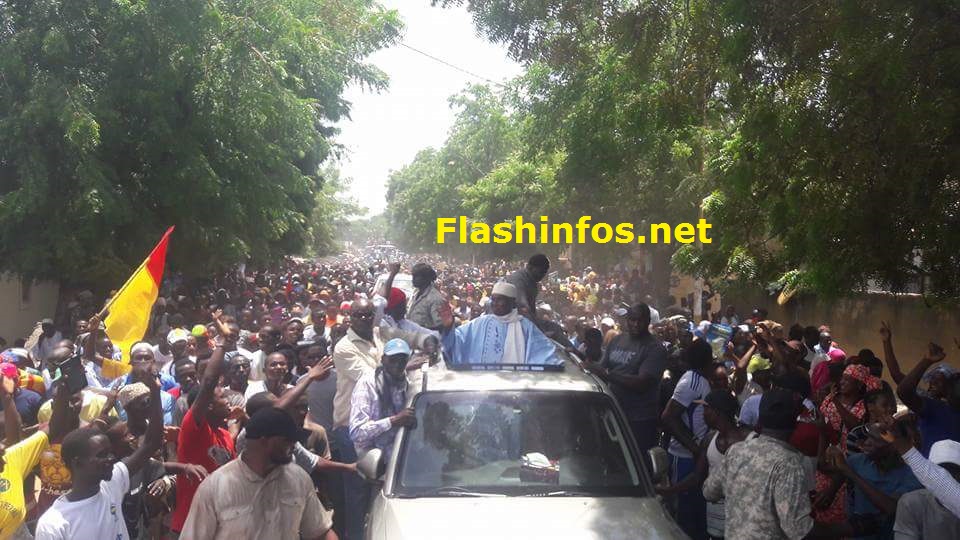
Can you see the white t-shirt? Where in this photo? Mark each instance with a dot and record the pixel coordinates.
(257, 363)
(165, 361)
(257, 387)
(692, 386)
(100, 516)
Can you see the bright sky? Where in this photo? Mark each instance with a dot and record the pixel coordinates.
(388, 129)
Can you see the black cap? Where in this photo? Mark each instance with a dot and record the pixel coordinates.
(723, 401)
(778, 409)
(271, 422)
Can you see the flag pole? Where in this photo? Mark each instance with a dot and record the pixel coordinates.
(106, 308)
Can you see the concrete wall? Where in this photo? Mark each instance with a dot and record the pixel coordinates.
(20, 312)
(855, 322)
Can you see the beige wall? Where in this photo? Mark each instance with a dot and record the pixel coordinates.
(18, 315)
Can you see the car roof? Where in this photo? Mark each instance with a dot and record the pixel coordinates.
(571, 378)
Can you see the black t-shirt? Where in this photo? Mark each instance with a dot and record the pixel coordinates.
(635, 356)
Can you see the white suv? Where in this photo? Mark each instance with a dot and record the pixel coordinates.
(515, 452)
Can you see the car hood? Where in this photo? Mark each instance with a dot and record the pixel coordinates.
(528, 518)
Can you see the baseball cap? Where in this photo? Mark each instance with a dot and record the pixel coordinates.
(396, 346)
(721, 400)
(46, 322)
(945, 451)
(131, 392)
(271, 422)
(758, 363)
(778, 410)
(177, 334)
(607, 321)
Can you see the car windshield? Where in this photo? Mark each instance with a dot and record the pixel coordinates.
(517, 443)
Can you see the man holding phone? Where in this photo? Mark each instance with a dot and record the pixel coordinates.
(93, 506)
(20, 459)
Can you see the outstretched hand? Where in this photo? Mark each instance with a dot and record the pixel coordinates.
(935, 353)
(321, 370)
(885, 332)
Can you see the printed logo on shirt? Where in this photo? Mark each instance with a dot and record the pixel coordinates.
(4, 485)
(622, 357)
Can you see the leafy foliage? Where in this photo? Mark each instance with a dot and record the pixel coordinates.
(332, 212)
(819, 138)
(120, 118)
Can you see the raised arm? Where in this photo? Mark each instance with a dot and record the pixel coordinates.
(211, 376)
(394, 268)
(153, 439)
(11, 417)
(90, 344)
(886, 335)
(62, 419)
(907, 389)
(740, 368)
(886, 503)
(319, 371)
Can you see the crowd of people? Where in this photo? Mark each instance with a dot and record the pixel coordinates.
(243, 412)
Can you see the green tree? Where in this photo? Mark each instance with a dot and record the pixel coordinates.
(332, 212)
(118, 119)
(819, 137)
(483, 136)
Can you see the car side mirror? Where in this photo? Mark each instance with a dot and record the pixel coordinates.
(370, 465)
(659, 464)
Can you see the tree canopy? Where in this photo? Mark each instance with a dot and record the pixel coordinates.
(118, 119)
(819, 138)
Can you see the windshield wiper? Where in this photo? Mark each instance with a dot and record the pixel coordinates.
(454, 491)
(560, 493)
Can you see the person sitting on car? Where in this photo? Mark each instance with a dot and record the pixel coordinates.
(502, 337)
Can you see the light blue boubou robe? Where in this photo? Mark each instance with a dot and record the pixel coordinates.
(482, 341)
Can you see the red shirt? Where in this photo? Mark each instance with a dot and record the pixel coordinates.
(202, 444)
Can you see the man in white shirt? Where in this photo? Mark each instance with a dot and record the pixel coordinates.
(262, 494)
(269, 337)
(683, 420)
(93, 506)
(47, 341)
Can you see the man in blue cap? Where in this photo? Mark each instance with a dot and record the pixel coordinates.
(378, 405)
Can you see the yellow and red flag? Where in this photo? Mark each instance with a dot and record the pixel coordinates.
(129, 309)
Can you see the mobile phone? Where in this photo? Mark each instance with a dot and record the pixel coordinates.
(73, 375)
